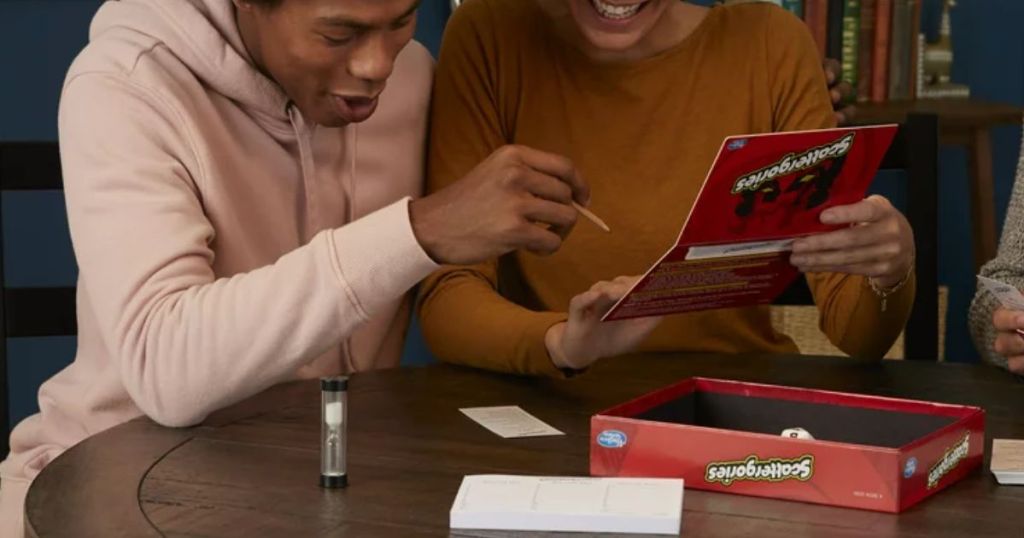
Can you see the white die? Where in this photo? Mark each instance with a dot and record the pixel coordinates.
(796, 433)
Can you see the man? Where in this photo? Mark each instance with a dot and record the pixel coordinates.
(238, 179)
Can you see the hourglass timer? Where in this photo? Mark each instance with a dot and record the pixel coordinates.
(333, 422)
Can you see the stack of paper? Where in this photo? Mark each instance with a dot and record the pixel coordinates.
(572, 504)
(1008, 461)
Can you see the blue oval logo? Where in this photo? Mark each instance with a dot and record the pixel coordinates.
(737, 144)
(909, 468)
(611, 439)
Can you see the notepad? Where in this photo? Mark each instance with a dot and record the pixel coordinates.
(1008, 461)
(569, 504)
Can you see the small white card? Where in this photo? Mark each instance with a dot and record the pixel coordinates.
(1009, 296)
(510, 421)
(752, 248)
(1008, 461)
(569, 504)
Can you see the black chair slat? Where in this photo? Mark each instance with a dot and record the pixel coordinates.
(922, 153)
(797, 294)
(896, 157)
(30, 166)
(40, 312)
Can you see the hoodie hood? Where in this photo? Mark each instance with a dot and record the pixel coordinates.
(204, 35)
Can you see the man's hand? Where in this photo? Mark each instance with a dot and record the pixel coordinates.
(518, 198)
(584, 339)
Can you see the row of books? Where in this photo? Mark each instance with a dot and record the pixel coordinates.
(880, 46)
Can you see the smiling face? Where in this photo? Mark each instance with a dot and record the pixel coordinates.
(624, 30)
(616, 26)
(331, 57)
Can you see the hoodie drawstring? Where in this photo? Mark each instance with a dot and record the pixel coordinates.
(307, 164)
(350, 180)
(350, 209)
(308, 170)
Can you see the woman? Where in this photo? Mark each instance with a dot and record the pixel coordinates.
(639, 95)
(994, 328)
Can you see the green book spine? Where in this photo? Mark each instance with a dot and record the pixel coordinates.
(851, 40)
(795, 7)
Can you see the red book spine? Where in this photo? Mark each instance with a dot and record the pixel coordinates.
(880, 58)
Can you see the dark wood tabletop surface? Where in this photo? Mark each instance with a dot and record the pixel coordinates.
(252, 470)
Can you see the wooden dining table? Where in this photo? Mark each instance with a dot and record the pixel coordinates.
(253, 469)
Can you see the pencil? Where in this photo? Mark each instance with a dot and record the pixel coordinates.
(592, 217)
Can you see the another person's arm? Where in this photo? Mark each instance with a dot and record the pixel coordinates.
(994, 328)
(878, 243)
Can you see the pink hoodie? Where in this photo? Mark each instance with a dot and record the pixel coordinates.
(224, 243)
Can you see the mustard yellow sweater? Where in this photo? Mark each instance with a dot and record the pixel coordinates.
(643, 134)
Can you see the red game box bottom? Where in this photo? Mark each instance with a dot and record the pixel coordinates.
(868, 452)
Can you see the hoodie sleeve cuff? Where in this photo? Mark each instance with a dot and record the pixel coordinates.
(378, 258)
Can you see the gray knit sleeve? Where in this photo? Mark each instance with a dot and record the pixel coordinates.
(1008, 266)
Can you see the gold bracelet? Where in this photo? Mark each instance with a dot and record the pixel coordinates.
(884, 294)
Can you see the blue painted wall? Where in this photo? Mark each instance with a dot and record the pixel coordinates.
(39, 38)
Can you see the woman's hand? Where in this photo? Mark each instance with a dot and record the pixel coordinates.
(878, 243)
(584, 339)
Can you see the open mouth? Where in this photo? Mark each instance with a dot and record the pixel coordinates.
(354, 109)
(617, 12)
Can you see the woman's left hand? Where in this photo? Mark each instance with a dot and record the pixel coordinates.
(878, 243)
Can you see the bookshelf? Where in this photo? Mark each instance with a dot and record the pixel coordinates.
(895, 71)
(882, 46)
